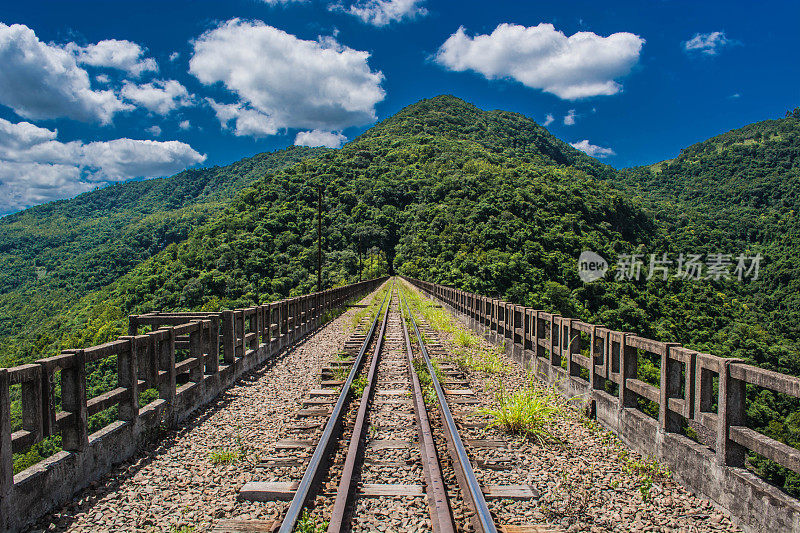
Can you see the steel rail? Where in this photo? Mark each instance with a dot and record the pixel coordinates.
(315, 469)
(470, 486)
(438, 502)
(344, 492)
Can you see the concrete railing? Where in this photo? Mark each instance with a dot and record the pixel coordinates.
(189, 358)
(696, 390)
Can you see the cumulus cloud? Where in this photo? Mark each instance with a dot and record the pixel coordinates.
(159, 96)
(383, 12)
(707, 43)
(174, 56)
(569, 118)
(582, 65)
(154, 130)
(116, 54)
(592, 149)
(185, 125)
(246, 120)
(549, 119)
(35, 167)
(330, 139)
(43, 81)
(285, 82)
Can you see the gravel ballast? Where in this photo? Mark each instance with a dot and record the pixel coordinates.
(175, 485)
(587, 479)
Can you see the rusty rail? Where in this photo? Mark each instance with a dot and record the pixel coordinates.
(470, 487)
(705, 392)
(438, 502)
(318, 463)
(344, 492)
(187, 358)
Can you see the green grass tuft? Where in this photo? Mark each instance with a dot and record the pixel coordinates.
(527, 411)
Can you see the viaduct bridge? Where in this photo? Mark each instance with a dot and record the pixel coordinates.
(187, 360)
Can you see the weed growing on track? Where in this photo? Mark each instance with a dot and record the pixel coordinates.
(358, 386)
(340, 373)
(310, 524)
(648, 471)
(428, 392)
(527, 411)
(372, 309)
(182, 529)
(224, 456)
(468, 353)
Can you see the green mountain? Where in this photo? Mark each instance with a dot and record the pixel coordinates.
(54, 254)
(491, 202)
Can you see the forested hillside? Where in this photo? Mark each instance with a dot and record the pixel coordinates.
(54, 254)
(491, 202)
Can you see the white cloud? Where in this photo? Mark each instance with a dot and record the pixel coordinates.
(159, 96)
(42, 81)
(286, 82)
(154, 130)
(569, 118)
(247, 121)
(331, 139)
(283, 2)
(383, 12)
(548, 120)
(174, 55)
(123, 159)
(592, 149)
(35, 167)
(114, 53)
(185, 125)
(102, 78)
(707, 43)
(582, 65)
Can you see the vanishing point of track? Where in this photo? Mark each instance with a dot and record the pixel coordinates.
(342, 458)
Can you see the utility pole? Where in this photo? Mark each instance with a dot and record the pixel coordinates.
(319, 238)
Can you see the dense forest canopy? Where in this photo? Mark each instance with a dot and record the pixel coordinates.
(487, 201)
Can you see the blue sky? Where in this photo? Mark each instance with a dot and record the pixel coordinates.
(98, 92)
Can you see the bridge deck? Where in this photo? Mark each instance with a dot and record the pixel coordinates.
(175, 484)
(586, 479)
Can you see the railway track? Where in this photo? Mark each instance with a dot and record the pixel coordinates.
(379, 460)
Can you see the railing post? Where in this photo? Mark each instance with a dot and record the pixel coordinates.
(6, 454)
(573, 346)
(32, 406)
(555, 340)
(268, 308)
(127, 366)
(165, 357)
(539, 332)
(48, 398)
(597, 355)
(212, 342)
(630, 369)
(670, 387)
(196, 352)
(731, 407)
(259, 326)
(228, 337)
(75, 435)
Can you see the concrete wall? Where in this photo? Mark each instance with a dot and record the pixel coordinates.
(754, 504)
